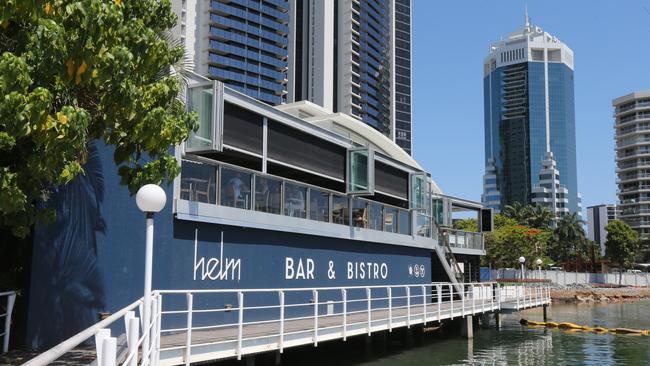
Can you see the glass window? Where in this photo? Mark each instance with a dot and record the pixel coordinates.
(267, 195)
(340, 210)
(235, 188)
(198, 182)
(294, 200)
(404, 222)
(418, 192)
(359, 171)
(319, 205)
(376, 216)
(390, 219)
(359, 213)
(423, 225)
(200, 101)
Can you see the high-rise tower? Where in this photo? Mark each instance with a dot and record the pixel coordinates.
(243, 43)
(354, 57)
(632, 126)
(530, 149)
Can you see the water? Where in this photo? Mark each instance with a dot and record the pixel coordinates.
(512, 345)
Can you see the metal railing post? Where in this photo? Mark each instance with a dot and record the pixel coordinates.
(390, 308)
(451, 298)
(109, 352)
(188, 340)
(240, 324)
(439, 289)
(408, 307)
(133, 332)
(424, 305)
(315, 295)
(281, 340)
(344, 295)
(482, 297)
(11, 299)
(369, 300)
(156, 358)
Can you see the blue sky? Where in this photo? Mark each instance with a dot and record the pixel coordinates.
(611, 44)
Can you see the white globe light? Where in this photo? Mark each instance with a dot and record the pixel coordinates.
(539, 262)
(150, 198)
(522, 260)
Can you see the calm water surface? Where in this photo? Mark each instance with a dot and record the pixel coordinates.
(513, 345)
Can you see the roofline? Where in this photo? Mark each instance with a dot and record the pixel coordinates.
(630, 96)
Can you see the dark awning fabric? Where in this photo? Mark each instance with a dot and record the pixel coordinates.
(242, 129)
(291, 146)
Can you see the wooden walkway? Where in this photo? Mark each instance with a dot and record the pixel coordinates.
(221, 343)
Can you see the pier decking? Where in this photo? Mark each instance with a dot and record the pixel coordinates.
(182, 332)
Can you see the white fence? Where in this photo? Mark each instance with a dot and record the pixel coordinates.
(567, 278)
(6, 331)
(191, 326)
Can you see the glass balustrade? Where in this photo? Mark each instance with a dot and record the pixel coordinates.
(240, 188)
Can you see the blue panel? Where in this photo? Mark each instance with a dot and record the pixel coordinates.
(537, 118)
(91, 260)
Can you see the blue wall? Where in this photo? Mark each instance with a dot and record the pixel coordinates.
(91, 259)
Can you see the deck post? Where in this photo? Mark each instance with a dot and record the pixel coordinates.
(344, 296)
(467, 327)
(109, 352)
(315, 294)
(188, 340)
(240, 325)
(390, 309)
(439, 289)
(281, 340)
(451, 300)
(132, 339)
(368, 296)
(408, 307)
(497, 319)
(424, 306)
(544, 312)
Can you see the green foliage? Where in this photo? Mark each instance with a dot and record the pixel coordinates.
(537, 216)
(569, 239)
(466, 225)
(72, 72)
(621, 243)
(508, 242)
(501, 220)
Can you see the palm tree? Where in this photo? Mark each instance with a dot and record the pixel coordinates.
(518, 212)
(540, 217)
(569, 237)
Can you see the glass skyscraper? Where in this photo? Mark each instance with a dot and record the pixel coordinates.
(530, 149)
(354, 57)
(243, 43)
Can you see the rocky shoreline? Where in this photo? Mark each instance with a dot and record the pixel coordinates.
(599, 295)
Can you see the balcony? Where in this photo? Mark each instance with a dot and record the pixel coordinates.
(464, 239)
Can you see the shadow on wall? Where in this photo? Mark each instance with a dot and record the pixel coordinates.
(67, 291)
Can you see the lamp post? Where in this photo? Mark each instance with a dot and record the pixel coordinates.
(539, 267)
(522, 260)
(150, 199)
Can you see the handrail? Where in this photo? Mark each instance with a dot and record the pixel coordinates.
(60, 349)
(11, 299)
(413, 304)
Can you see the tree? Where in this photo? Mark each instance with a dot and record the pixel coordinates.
(468, 224)
(517, 212)
(71, 73)
(507, 243)
(569, 238)
(540, 217)
(621, 243)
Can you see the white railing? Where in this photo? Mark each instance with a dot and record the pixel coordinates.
(9, 307)
(638, 279)
(518, 296)
(204, 325)
(465, 239)
(125, 347)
